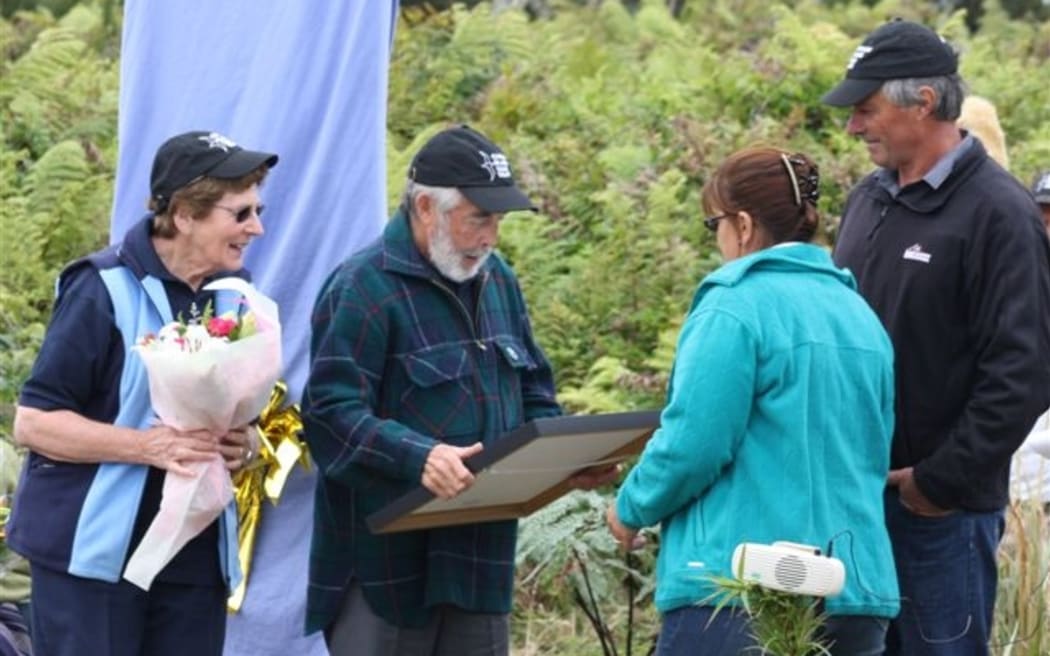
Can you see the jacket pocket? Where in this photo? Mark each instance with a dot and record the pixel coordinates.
(438, 397)
(514, 353)
(47, 505)
(515, 362)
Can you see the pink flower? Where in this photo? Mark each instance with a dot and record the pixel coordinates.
(221, 326)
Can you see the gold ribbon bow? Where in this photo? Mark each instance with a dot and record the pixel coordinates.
(279, 449)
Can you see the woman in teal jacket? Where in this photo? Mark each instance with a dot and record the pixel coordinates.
(778, 419)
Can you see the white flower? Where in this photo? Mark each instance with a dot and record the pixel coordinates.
(196, 337)
(169, 333)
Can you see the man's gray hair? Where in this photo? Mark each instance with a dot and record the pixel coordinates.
(444, 197)
(950, 90)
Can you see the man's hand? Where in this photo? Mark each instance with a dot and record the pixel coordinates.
(911, 496)
(628, 538)
(594, 477)
(444, 473)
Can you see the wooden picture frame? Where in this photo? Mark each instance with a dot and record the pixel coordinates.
(524, 470)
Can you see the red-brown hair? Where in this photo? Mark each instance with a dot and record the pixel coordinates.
(199, 197)
(778, 189)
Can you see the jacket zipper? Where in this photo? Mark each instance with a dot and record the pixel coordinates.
(882, 216)
(475, 324)
(474, 328)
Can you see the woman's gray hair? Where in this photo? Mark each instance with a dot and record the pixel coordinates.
(950, 90)
(445, 197)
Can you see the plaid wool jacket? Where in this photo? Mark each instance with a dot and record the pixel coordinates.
(398, 364)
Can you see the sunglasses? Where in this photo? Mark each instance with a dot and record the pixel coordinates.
(244, 213)
(711, 222)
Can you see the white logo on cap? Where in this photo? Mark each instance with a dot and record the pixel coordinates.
(496, 164)
(1043, 184)
(860, 53)
(216, 140)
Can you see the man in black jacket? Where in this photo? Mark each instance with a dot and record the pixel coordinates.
(950, 251)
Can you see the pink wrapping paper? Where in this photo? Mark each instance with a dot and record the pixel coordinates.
(217, 388)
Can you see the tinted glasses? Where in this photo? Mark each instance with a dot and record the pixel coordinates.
(712, 221)
(244, 213)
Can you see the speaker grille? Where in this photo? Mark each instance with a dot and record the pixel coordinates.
(790, 572)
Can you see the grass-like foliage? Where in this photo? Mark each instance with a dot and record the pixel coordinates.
(783, 624)
(1022, 626)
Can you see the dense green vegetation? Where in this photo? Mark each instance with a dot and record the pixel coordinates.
(58, 107)
(612, 119)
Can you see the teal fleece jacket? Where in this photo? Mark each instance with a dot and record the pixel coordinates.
(777, 427)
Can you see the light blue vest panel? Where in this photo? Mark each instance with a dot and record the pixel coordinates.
(107, 517)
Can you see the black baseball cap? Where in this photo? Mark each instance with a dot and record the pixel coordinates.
(187, 157)
(1041, 188)
(899, 49)
(463, 158)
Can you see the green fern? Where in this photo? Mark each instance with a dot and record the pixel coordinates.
(570, 528)
(64, 163)
(58, 100)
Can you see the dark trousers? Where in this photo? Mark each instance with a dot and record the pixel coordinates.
(691, 631)
(74, 616)
(14, 634)
(947, 572)
(357, 631)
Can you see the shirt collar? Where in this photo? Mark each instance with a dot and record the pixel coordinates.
(937, 174)
(137, 251)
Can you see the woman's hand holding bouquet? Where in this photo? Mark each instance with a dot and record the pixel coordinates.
(208, 380)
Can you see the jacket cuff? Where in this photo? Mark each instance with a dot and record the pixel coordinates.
(937, 492)
(417, 448)
(626, 513)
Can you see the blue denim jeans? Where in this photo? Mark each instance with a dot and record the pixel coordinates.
(691, 631)
(699, 631)
(947, 573)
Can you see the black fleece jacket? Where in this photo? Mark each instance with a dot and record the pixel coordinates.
(960, 276)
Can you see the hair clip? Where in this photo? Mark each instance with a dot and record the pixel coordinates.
(812, 194)
(794, 180)
(806, 187)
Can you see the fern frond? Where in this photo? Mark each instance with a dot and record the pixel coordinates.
(63, 164)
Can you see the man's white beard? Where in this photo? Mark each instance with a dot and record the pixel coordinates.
(448, 260)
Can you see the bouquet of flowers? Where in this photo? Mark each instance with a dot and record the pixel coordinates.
(213, 373)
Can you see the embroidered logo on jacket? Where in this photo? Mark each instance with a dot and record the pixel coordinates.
(915, 253)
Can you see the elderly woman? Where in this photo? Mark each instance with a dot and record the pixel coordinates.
(778, 419)
(94, 473)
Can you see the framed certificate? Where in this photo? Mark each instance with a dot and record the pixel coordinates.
(524, 470)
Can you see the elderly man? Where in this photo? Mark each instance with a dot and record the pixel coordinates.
(421, 355)
(950, 251)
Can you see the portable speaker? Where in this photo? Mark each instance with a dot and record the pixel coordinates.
(789, 567)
